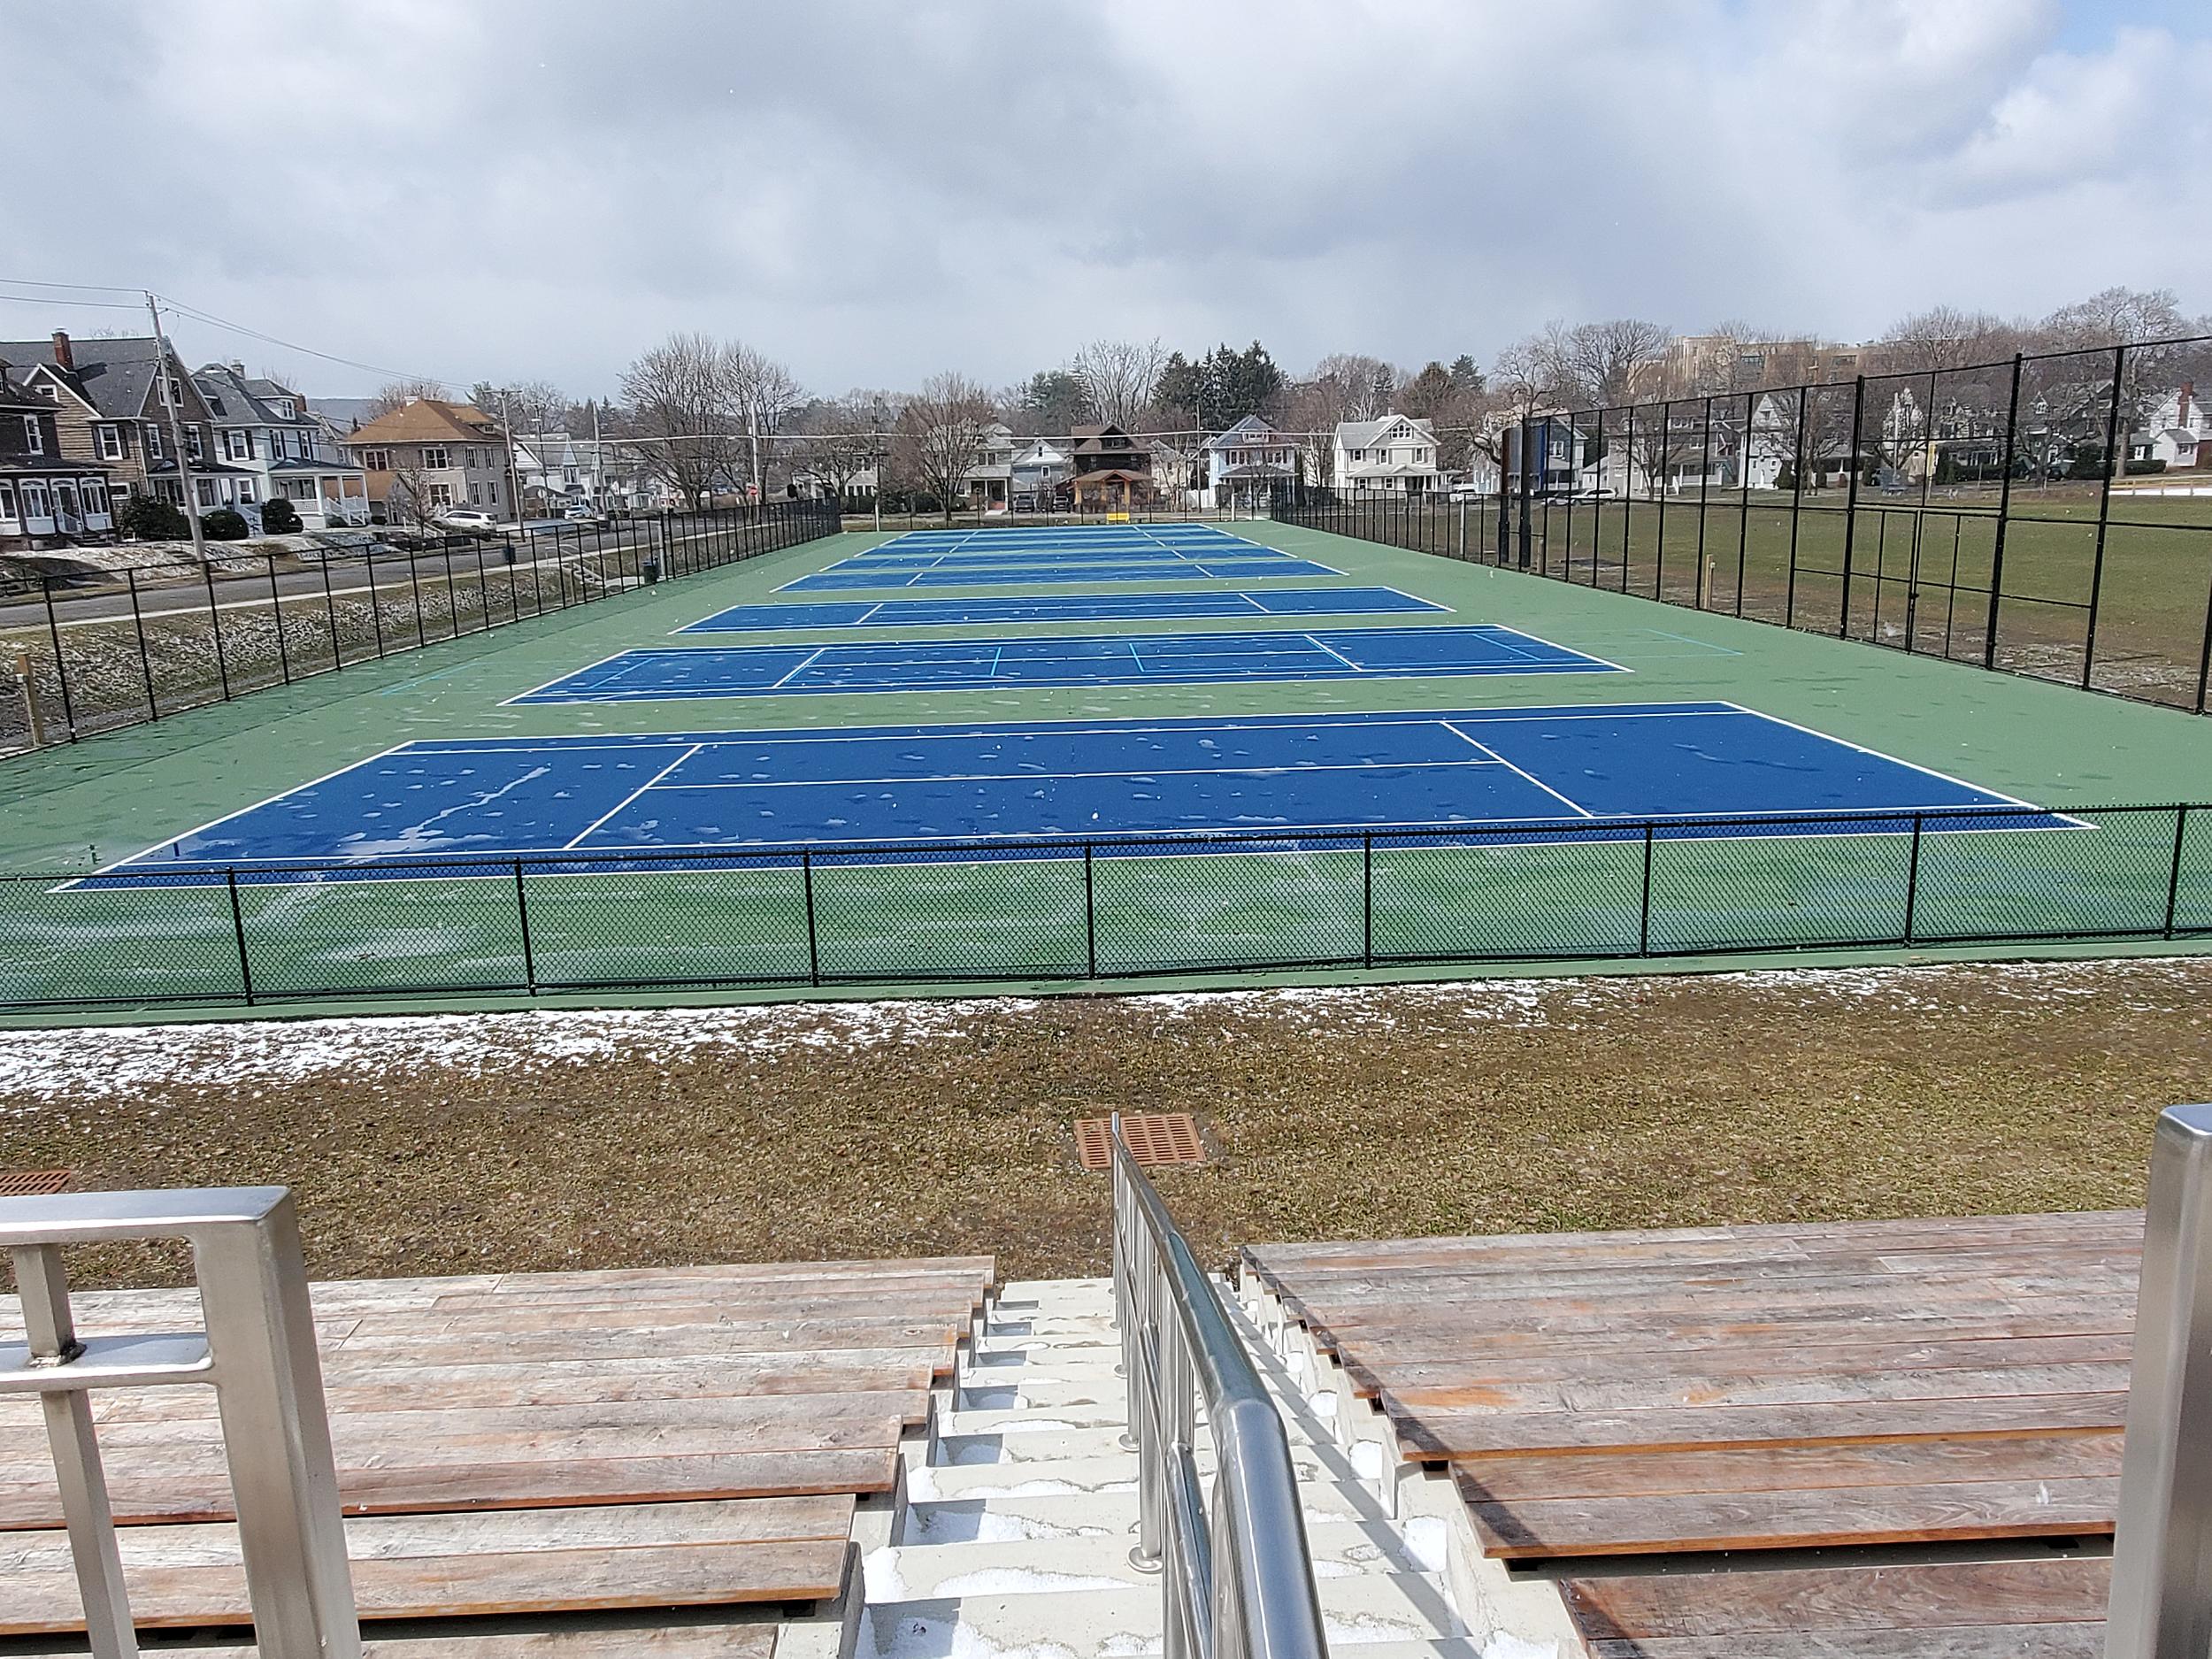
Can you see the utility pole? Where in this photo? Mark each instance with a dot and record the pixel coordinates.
(598, 464)
(187, 482)
(514, 473)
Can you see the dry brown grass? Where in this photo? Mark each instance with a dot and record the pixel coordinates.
(1383, 1112)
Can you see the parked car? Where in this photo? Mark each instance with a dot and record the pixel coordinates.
(580, 512)
(468, 521)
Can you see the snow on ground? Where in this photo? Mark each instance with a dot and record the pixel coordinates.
(90, 1063)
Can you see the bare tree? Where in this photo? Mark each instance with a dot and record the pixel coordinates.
(397, 394)
(1117, 377)
(1944, 337)
(2112, 318)
(1360, 388)
(844, 438)
(412, 492)
(1598, 362)
(764, 395)
(679, 414)
(942, 433)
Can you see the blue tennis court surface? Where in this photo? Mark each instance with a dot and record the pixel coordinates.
(788, 790)
(1163, 607)
(959, 573)
(668, 673)
(1095, 553)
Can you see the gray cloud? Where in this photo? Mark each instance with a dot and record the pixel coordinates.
(874, 191)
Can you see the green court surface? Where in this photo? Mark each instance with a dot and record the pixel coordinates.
(1386, 904)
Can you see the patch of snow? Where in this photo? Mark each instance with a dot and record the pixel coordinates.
(1505, 1645)
(1022, 1581)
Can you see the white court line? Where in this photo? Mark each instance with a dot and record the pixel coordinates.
(1320, 644)
(623, 803)
(1553, 645)
(798, 668)
(1572, 804)
(1117, 771)
(1997, 796)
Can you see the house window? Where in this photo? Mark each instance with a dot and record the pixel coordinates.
(194, 443)
(435, 458)
(34, 500)
(438, 494)
(95, 496)
(299, 489)
(237, 445)
(33, 436)
(377, 460)
(206, 487)
(286, 408)
(153, 443)
(476, 494)
(7, 501)
(492, 494)
(245, 489)
(111, 443)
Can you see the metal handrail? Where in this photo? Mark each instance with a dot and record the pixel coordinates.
(2162, 1591)
(257, 1352)
(1238, 1579)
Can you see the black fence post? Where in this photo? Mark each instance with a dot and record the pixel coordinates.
(1851, 507)
(1699, 585)
(330, 614)
(522, 915)
(61, 668)
(2004, 515)
(1912, 878)
(813, 937)
(276, 613)
(1597, 512)
(2114, 464)
(1090, 917)
(1367, 900)
(238, 932)
(414, 582)
(1643, 909)
(2173, 875)
(145, 660)
(215, 622)
(2204, 654)
(1797, 507)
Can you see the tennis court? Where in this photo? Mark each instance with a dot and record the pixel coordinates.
(1155, 607)
(915, 785)
(664, 674)
(1100, 553)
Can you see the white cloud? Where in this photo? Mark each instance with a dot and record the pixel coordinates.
(510, 189)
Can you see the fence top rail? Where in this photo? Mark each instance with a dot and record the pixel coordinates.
(1344, 837)
(1257, 1483)
(161, 1212)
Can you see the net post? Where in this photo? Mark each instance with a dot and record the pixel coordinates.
(1643, 907)
(1912, 877)
(238, 933)
(145, 660)
(813, 937)
(2173, 872)
(1090, 915)
(1367, 900)
(522, 916)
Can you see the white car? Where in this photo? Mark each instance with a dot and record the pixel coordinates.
(467, 519)
(579, 513)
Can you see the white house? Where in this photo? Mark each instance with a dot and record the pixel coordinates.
(1247, 464)
(269, 447)
(2179, 433)
(1396, 454)
(990, 480)
(556, 471)
(1038, 468)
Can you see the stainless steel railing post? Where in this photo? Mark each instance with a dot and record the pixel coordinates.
(2161, 1567)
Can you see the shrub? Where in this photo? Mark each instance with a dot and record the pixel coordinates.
(278, 517)
(1786, 479)
(150, 519)
(223, 524)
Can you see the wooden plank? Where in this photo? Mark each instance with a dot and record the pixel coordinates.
(718, 1639)
(533, 1582)
(497, 1531)
(1977, 1641)
(205, 1495)
(1650, 1524)
(1633, 1394)
(1947, 1595)
(1460, 1436)
(936, 1309)
(1766, 1468)
(515, 1348)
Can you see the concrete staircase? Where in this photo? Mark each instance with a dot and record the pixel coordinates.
(1021, 1511)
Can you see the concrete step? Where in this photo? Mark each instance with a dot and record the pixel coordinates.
(1116, 1472)
(1034, 1419)
(1040, 1436)
(1035, 1390)
(999, 1326)
(1005, 1504)
(938, 1567)
(1373, 1612)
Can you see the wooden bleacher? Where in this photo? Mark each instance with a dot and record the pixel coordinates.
(533, 1445)
(1935, 1406)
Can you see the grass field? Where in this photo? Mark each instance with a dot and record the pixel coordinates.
(745, 919)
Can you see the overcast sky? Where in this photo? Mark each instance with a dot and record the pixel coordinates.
(500, 190)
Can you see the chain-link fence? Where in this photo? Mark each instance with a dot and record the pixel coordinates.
(1122, 908)
(2049, 515)
(90, 652)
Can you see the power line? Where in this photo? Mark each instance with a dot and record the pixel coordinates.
(209, 317)
(49, 301)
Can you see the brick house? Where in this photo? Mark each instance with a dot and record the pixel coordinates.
(47, 498)
(430, 457)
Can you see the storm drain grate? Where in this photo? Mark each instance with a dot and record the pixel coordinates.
(35, 1183)
(1154, 1138)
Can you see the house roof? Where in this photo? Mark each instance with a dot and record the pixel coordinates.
(1252, 428)
(428, 420)
(14, 394)
(233, 399)
(1102, 440)
(1357, 435)
(1110, 474)
(113, 376)
(1254, 471)
(340, 412)
(1392, 469)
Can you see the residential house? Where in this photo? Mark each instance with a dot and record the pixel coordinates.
(2179, 435)
(431, 456)
(1038, 469)
(1113, 471)
(265, 428)
(1396, 454)
(1247, 464)
(990, 482)
(1176, 472)
(46, 498)
(110, 409)
(557, 471)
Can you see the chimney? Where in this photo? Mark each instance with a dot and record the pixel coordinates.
(2188, 395)
(62, 359)
(238, 368)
